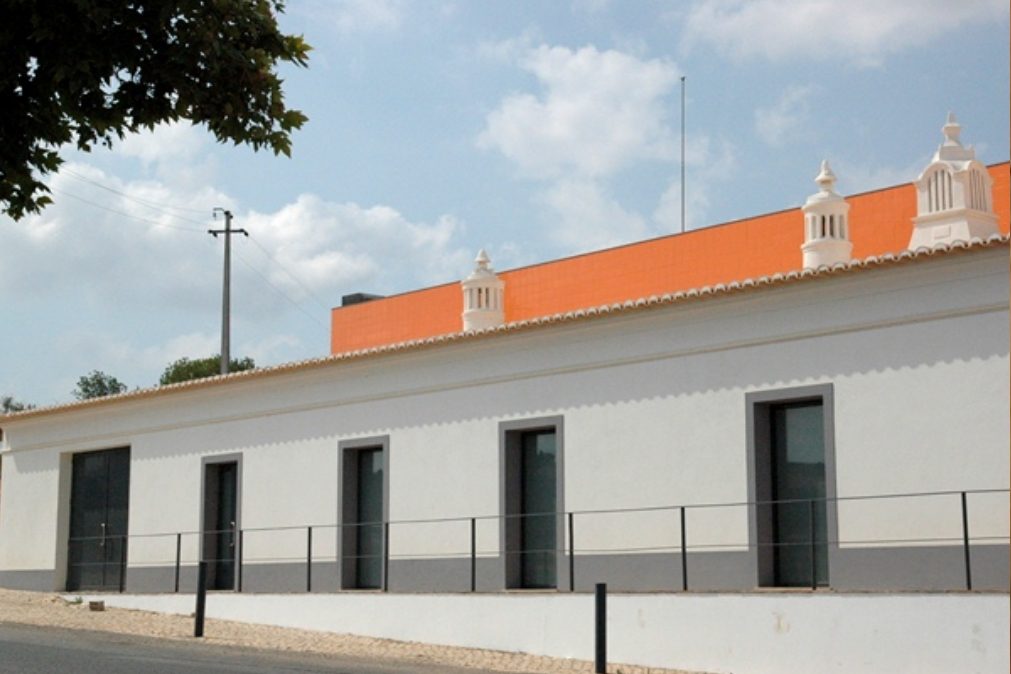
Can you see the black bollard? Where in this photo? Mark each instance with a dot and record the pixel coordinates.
(198, 624)
(600, 633)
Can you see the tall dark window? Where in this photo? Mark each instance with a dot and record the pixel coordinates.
(538, 480)
(221, 516)
(532, 502)
(791, 459)
(369, 529)
(363, 513)
(798, 493)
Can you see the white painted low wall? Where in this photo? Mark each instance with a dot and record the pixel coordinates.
(721, 633)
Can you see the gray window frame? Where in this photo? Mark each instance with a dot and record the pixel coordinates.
(758, 404)
(509, 433)
(347, 495)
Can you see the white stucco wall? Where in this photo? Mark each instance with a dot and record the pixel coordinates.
(718, 633)
(654, 414)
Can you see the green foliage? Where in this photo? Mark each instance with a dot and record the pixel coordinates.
(97, 384)
(8, 405)
(185, 369)
(90, 71)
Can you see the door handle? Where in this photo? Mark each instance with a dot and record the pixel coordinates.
(231, 543)
(101, 543)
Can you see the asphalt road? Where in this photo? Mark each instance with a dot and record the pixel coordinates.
(48, 650)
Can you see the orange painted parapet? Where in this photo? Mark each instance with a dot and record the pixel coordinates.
(880, 222)
(1001, 174)
(400, 318)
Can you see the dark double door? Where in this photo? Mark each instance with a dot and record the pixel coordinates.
(99, 497)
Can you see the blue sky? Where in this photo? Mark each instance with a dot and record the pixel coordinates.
(533, 129)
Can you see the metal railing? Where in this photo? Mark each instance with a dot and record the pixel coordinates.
(565, 551)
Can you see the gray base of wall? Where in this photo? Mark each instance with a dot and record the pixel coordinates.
(921, 569)
(41, 581)
(707, 571)
(286, 577)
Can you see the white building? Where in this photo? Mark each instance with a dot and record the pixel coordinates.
(835, 422)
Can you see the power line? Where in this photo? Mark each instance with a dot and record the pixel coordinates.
(145, 202)
(127, 215)
(157, 205)
(279, 291)
(270, 256)
(290, 274)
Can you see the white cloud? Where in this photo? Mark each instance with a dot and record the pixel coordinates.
(145, 287)
(709, 165)
(175, 153)
(586, 218)
(510, 50)
(138, 366)
(858, 176)
(135, 255)
(92, 238)
(786, 118)
(176, 140)
(357, 16)
(190, 345)
(859, 31)
(336, 248)
(141, 365)
(599, 112)
(151, 360)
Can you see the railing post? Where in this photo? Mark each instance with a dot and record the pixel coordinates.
(122, 564)
(179, 550)
(308, 559)
(198, 621)
(238, 562)
(600, 629)
(965, 542)
(473, 554)
(572, 552)
(814, 561)
(684, 554)
(386, 556)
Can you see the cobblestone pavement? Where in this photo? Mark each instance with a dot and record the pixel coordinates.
(37, 608)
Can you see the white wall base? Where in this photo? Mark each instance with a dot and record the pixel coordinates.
(720, 633)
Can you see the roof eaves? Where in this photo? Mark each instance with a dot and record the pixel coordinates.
(635, 304)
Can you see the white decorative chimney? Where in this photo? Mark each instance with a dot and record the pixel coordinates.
(954, 199)
(826, 224)
(483, 296)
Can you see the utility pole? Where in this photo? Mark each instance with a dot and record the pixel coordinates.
(682, 154)
(226, 300)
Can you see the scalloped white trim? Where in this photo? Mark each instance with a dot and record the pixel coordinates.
(575, 314)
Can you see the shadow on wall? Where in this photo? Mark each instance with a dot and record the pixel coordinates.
(664, 377)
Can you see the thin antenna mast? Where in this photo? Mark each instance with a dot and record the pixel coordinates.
(682, 154)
